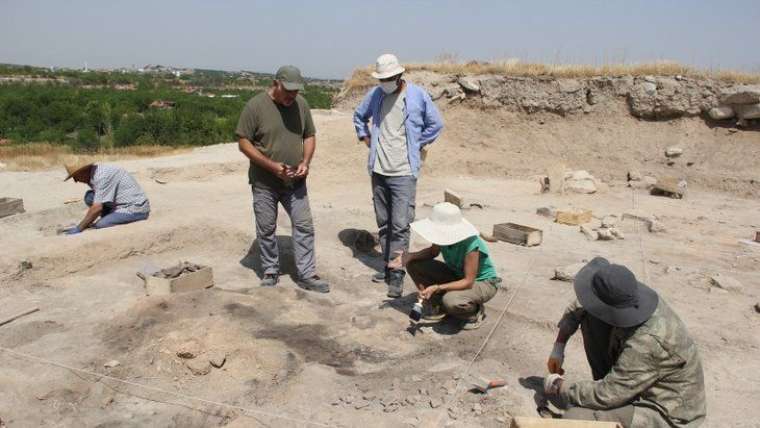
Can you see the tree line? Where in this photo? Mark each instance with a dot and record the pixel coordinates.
(89, 119)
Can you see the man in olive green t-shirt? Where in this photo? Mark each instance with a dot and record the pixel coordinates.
(277, 134)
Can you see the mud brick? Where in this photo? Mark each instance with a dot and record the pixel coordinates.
(574, 217)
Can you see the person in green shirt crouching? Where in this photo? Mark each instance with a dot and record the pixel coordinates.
(464, 281)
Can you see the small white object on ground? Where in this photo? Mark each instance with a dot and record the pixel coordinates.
(726, 282)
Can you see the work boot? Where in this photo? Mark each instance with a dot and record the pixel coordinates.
(315, 283)
(379, 277)
(476, 321)
(395, 280)
(270, 280)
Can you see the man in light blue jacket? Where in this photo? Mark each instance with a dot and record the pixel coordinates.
(403, 121)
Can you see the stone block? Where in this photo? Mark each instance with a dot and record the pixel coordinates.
(573, 217)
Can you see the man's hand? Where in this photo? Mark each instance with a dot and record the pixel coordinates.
(556, 358)
(72, 230)
(552, 384)
(301, 171)
(281, 171)
(366, 140)
(428, 293)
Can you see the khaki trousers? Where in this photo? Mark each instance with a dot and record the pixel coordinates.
(462, 304)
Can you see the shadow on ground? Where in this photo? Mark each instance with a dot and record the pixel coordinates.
(362, 244)
(252, 260)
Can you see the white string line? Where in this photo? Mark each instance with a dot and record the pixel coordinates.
(637, 231)
(493, 330)
(153, 388)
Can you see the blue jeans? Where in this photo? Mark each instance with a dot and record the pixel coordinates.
(110, 218)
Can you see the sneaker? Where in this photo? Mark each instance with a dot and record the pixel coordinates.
(395, 283)
(432, 312)
(270, 280)
(315, 283)
(475, 322)
(379, 277)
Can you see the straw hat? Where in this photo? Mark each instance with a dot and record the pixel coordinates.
(73, 169)
(611, 293)
(387, 66)
(445, 226)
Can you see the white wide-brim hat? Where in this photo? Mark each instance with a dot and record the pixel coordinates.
(445, 226)
(387, 66)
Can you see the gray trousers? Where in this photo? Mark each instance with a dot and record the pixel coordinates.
(394, 200)
(459, 303)
(296, 203)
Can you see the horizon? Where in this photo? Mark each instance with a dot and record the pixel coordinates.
(324, 40)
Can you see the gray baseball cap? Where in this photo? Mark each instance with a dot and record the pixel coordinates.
(290, 77)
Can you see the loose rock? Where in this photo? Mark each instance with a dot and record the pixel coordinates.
(721, 113)
(436, 403)
(609, 221)
(757, 307)
(188, 350)
(726, 282)
(605, 234)
(469, 84)
(198, 366)
(579, 182)
(111, 364)
(567, 273)
(617, 233)
(634, 176)
(591, 235)
(361, 404)
(547, 212)
(673, 151)
(741, 94)
(748, 111)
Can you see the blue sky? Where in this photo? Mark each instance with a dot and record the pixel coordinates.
(330, 38)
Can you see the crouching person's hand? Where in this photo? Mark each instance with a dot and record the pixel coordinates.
(552, 384)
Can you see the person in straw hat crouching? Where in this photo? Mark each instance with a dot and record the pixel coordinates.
(646, 368)
(114, 196)
(465, 280)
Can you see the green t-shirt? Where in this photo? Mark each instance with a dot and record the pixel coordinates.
(277, 131)
(454, 255)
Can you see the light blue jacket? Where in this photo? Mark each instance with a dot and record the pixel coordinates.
(422, 121)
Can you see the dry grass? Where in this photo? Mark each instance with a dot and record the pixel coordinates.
(361, 77)
(37, 156)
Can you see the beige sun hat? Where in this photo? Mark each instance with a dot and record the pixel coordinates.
(387, 66)
(72, 169)
(445, 226)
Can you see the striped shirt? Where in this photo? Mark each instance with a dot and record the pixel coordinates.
(113, 186)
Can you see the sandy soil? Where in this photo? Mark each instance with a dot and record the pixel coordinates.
(349, 358)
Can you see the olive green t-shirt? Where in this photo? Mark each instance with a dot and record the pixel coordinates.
(277, 131)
